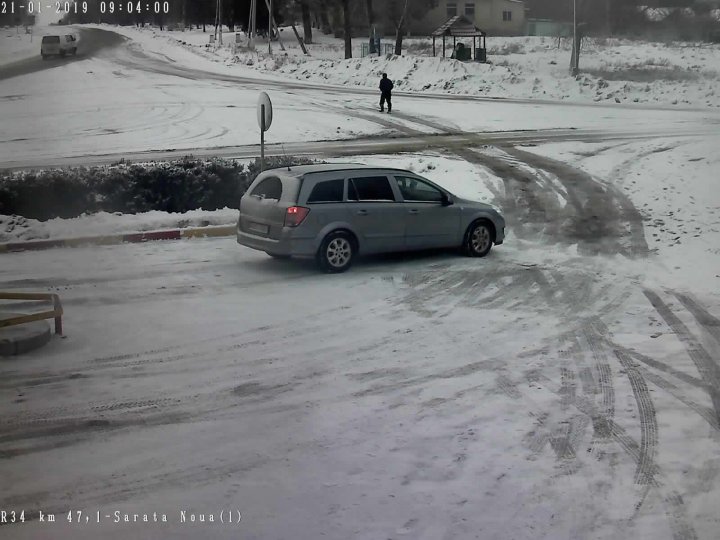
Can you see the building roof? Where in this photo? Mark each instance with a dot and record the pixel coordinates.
(458, 26)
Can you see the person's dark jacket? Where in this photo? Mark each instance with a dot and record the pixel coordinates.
(386, 86)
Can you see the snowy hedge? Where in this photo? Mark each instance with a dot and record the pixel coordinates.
(175, 186)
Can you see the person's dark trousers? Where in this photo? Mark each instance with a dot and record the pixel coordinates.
(383, 98)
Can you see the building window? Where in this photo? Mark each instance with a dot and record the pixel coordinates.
(470, 9)
(507, 15)
(451, 9)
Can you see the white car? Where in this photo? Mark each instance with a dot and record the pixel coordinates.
(58, 45)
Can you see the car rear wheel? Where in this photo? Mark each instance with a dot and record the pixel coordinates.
(479, 239)
(44, 56)
(336, 252)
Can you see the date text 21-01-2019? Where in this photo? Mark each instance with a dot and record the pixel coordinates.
(33, 7)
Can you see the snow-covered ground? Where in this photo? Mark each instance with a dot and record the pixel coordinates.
(614, 70)
(16, 45)
(674, 185)
(20, 229)
(564, 387)
(532, 394)
(123, 100)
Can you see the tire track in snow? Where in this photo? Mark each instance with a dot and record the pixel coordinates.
(708, 321)
(648, 421)
(706, 413)
(593, 338)
(705, 364)
(669, 370)
(527, 199)
(675, 509)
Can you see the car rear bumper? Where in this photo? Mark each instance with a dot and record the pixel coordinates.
(287, 244)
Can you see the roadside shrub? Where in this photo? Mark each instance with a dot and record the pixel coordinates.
(174, 186)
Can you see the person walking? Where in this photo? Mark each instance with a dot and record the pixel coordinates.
(386, 87)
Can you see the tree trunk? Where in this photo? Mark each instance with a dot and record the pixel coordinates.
(398, 40)
(348, 28)
(400, 30)
(325, 25)
(307, 22)
(370, 14)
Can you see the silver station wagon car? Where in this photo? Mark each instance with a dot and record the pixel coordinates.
(333, 212)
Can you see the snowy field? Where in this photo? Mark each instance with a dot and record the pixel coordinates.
(614, 70)
(16, 45)
(567, 386)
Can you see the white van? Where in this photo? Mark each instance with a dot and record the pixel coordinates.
(58, 45)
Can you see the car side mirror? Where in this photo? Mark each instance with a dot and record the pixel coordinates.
(447, 200)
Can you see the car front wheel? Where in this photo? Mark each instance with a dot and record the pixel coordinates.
(336, 252)
(479, 239)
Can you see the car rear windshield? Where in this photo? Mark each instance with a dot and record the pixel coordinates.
(51, 39)
(270, 188)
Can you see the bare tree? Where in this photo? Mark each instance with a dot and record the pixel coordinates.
(323, 9)
(307, 22)
(398, 14)
(347, 22)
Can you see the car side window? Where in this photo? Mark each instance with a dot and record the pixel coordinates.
(270, 188)
(415, 190)
(370, 188)
(327, 191)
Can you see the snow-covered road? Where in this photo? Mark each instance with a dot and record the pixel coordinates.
(429, 395)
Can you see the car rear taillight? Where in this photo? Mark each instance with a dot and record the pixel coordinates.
(295, 215)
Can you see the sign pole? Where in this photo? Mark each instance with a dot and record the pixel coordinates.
(262, 138)
(265, 116)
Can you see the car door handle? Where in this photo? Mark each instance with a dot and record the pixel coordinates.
(362, 212)
(414, 211)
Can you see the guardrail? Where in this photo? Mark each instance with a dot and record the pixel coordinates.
(56, 312)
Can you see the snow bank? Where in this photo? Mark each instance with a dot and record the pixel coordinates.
(18, 228)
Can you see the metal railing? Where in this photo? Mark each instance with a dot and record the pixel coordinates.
(56, 313)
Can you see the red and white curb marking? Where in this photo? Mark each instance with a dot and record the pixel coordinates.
(173, 234)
